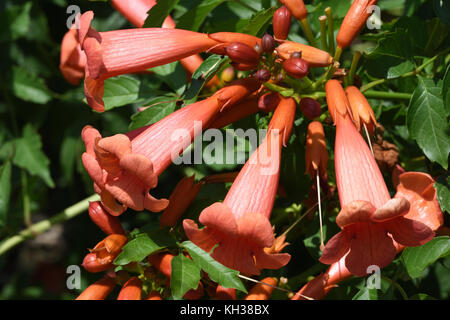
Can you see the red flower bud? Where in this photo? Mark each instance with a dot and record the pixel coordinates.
(268, 102)
(281, 23)
(268, 43)
(107, 223)
(242, 53)
(310, 108)
(263, 75)
(296, 67)
(243, 66)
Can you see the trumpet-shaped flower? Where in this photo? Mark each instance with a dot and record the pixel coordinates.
(113, 53)
(136, 11)
(72, 58)
(240, 224)
(125, 167)
(353, 22)
(417, 188)
(371, 222)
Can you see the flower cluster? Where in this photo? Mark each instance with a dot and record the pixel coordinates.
(237, 231)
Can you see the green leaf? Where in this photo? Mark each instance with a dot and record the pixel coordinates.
(259, 22)
(123, 90)
(28, 155)
(194, 18)
(442, 186)
(5, 191)
(202, 75)
(136, 250)
(209, 67)
(29, 87)
(396, 71)
(185, 276)
(158, 13)
(445, 89)
(14, 22)
(173, 75)
(366, 294)
(224, 276)
(417, 259)
(427, 121)
(157, 109)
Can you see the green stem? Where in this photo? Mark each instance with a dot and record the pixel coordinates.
(397, 286)
(407, 74)
(323, 32)
(308, 32)
(26, 198)
(371, 94)
(329, 14)
(351, 73)
(44, 225)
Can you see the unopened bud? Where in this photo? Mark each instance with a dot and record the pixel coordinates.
(281, 23)
(296, 67)
(268, 102)
(310, 108)
(107, 223)
(242, 53)
(243, 66)
(263, 75)
(268, 43)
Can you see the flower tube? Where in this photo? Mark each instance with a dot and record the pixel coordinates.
(240, 224)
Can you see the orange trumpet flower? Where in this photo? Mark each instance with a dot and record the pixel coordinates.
(240, 224)
(371, 222)
(72, 58)
(125, 167)
(136, 11)
(113, 53)
(353, 22)
(98, 290)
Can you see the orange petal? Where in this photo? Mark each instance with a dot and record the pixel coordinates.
(391, 209)
(256, 228)
(354, 212)
(219, 217)
(335, 248)
(408, 232)
(370, 246)
(417, 188)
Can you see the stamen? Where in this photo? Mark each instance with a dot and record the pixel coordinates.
(368, 138)
(320, 211)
